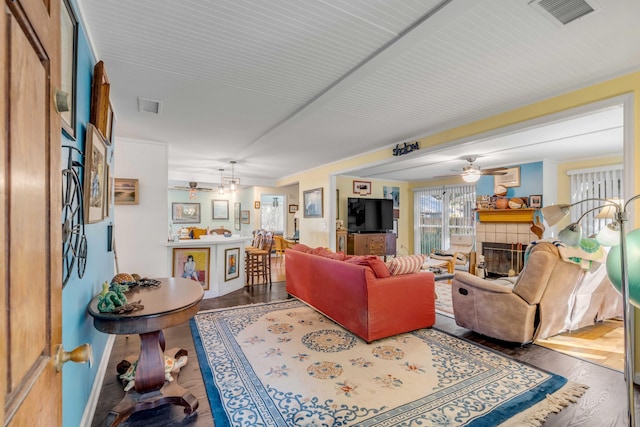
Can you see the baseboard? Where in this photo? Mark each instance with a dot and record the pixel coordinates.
(92, 403)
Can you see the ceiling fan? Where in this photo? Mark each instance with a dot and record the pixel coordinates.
(472, 173)
(192, 189)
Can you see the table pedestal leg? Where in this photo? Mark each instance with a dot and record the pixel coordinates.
(170, 393)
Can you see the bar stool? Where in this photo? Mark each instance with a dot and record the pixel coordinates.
(258, 261)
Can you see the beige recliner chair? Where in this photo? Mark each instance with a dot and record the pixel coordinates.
(536, 305)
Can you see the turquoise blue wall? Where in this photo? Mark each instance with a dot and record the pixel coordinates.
(77, 325)
(530, 182)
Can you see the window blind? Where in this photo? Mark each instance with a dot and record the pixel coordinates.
(599, 183)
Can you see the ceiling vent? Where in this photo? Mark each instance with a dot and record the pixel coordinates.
(149, 106)
(562, 12)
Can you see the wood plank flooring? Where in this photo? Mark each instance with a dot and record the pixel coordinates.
(604, 403)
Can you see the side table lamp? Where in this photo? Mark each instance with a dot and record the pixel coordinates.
(623, 247)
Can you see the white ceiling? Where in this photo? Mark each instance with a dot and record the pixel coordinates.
(283, 86)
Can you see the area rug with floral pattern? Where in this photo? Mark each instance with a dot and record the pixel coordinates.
(285, 364)
(444, 301)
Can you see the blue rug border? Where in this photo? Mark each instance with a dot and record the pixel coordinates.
(220, 417)
(496, 416)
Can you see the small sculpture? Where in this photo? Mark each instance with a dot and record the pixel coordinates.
(111, 297)
(170, 365)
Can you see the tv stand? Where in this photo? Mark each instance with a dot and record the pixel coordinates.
(380, 244)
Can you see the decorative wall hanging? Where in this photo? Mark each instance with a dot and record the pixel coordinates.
(68, 57)
(126, 191)
(185, 213)
(100, 99)
(313, 207)
(94, 175)
(220, 209)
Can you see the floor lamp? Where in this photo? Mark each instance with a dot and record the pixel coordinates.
(614, 235)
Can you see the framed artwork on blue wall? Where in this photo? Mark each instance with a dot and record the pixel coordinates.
(66, 97)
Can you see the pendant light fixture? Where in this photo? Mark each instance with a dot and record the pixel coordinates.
(221, 187)
(232, 183)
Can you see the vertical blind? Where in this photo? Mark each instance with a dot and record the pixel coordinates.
(599, 183)
(440, 212)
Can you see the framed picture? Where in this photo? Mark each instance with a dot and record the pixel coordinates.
(244, 217)
(361, 187)
(100, 99)
(94, 176)
(535, 201)
(236, 216)
(293, 208)
(185, 213)
(220, 209)
(69, 58)
(256, 205)
(510, 179)
(107, 192)
(231, 260)
(192, 263)
(313, 203)
(125, 191)
(111, 118)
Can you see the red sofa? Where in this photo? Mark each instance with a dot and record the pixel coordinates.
(352, 296)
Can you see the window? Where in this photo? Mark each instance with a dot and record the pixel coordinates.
(272, 213)
(599, 183)
(441, 212)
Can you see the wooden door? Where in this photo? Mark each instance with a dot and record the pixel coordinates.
(30, 213)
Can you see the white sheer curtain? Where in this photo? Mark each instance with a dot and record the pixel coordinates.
(440, 212)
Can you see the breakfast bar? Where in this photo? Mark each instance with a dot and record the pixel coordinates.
(216, 261)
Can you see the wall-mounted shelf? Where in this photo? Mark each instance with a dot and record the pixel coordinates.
(506, 215)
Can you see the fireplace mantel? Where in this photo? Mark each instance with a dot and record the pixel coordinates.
(506, 215)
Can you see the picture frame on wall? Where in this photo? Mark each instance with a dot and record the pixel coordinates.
(100, 88)
(231, 267)
(192, 263)
(185, 213)
(245, 217)
(236, 216)
(535, 201)
(219, 209)
(125, 191)
(361, 187)
(313, 207)
(510, 179)
(293, 208)
(256, 205)
(68, 66)
(94, 176)
(108, 189)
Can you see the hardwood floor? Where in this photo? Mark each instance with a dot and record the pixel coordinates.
(603, 404)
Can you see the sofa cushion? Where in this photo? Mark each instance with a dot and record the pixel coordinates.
(328, 253)
(406, 264)
(301, 247)
(377, 265)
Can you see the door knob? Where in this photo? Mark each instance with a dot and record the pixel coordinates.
(80, 354)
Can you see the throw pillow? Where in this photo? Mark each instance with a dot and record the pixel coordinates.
(406, 264)
(378, 266)
(328, 253)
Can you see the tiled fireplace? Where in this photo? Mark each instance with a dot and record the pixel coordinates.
(498, 242)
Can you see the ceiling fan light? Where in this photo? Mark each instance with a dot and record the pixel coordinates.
(471, 176)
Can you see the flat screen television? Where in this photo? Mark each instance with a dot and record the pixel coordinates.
(369, 215)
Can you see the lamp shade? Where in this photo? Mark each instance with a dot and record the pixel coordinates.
(609, 235)
(553, 214)
(609, 211)
(571, 235)
(614, 269)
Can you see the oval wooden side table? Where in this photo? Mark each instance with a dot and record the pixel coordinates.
(176, 300)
